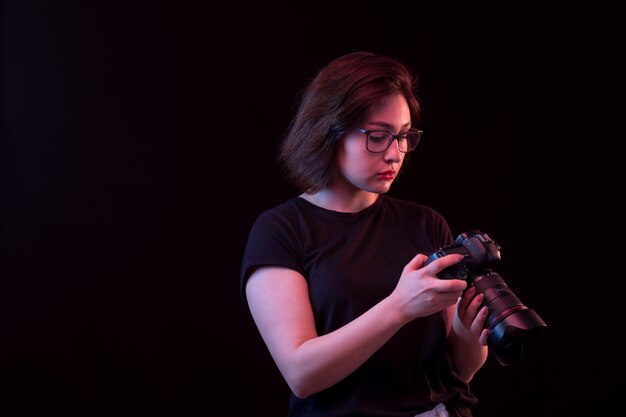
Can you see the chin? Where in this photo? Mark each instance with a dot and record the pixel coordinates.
(380, 189)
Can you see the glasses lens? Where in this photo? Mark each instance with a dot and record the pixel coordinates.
(378, 141)
(412, 139)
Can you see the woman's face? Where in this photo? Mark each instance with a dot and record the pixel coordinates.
(368, 171)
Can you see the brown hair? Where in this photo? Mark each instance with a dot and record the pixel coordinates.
(334, 103)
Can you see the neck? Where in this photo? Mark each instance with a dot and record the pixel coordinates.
(341, 201)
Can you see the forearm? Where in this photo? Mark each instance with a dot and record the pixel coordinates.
(321, 362)
(467, 356)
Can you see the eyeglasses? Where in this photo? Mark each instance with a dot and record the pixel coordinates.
(379, 140)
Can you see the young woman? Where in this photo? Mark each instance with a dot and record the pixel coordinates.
(335, 278)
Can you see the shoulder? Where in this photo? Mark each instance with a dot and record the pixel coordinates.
(284, 219)
(285, 212)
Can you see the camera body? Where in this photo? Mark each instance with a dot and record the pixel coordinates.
(482, 254)
(510, 322)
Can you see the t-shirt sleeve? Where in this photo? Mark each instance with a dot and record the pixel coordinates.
(274, 239)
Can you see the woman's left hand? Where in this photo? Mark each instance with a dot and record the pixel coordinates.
(469, 318)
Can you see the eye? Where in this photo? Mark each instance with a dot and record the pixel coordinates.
(379, 137)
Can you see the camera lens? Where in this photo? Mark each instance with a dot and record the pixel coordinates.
(510, 321)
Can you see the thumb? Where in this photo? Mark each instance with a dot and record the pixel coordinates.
(417, 262)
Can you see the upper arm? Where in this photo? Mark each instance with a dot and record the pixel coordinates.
(278, 298)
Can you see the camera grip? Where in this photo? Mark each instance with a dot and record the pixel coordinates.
(456, 271)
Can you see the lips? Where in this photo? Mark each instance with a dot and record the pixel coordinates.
(387, 175)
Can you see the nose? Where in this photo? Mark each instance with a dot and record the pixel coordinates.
(393, 154)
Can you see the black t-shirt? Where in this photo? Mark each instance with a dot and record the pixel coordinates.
(351, 261)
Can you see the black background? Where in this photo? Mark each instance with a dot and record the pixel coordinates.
(138, 144)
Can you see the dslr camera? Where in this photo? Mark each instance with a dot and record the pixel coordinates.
(511, 323)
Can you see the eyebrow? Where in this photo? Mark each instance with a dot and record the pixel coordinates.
(387, 125)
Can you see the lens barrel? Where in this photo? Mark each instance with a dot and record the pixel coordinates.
(510, 322)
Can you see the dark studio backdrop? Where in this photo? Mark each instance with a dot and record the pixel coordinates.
(138, 144)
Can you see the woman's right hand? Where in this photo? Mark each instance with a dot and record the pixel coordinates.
(420, 292)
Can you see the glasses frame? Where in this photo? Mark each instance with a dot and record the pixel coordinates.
(392, 137)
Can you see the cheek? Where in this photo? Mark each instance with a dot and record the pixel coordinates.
(352, 156)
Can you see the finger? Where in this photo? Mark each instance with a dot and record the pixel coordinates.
(465, 301)
(468, 307)
(479, 322)
(484, 337)
(451, 285)
(474, 305)
(439, 264)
